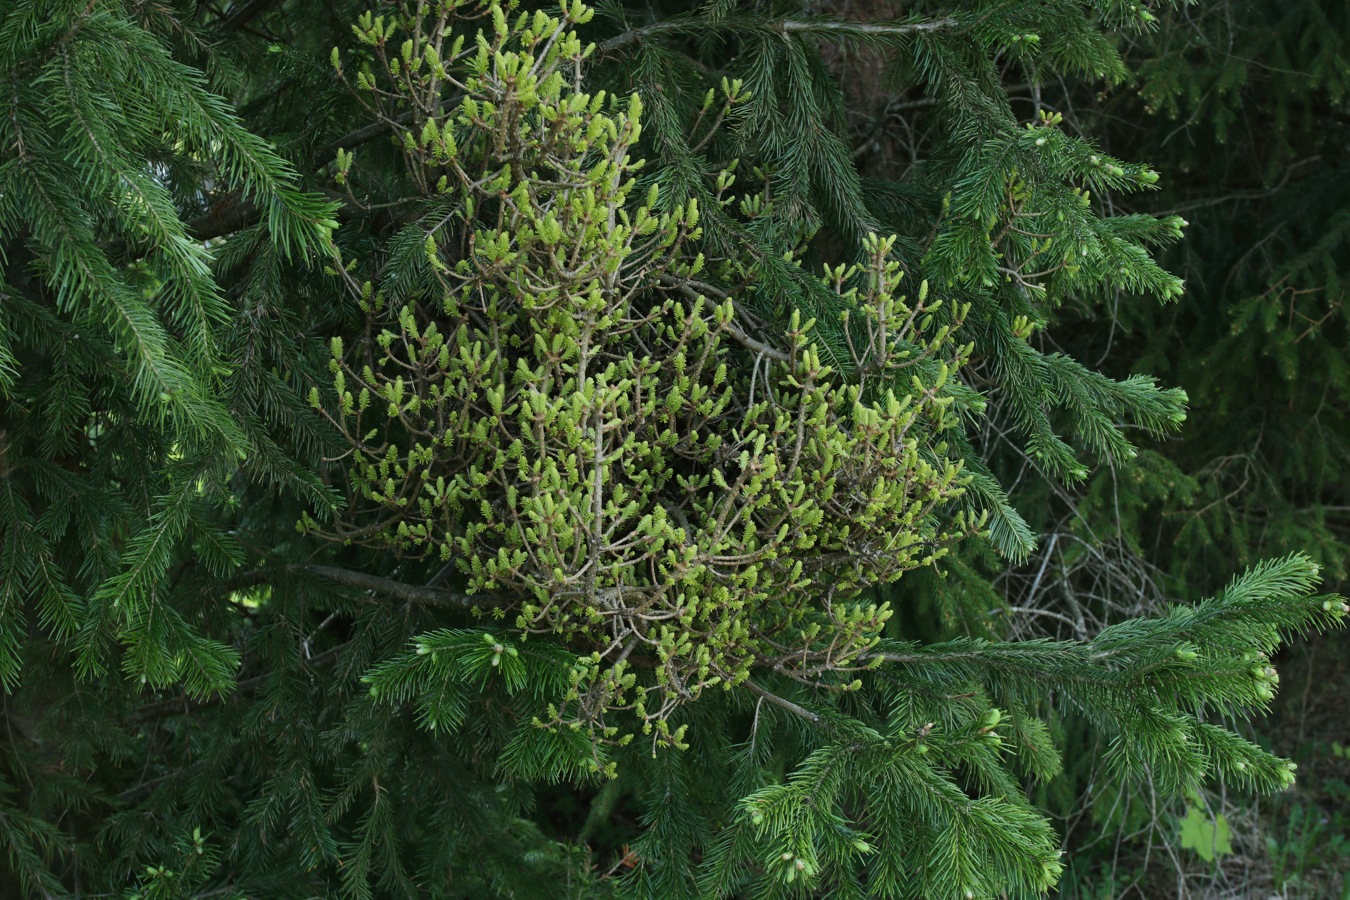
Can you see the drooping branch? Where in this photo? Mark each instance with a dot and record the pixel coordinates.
(76, 26)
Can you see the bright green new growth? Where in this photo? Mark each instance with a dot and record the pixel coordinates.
(602, 451)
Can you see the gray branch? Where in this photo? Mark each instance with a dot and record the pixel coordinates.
(693, 289)
(410, 593)
(783, 702)
(783, 26)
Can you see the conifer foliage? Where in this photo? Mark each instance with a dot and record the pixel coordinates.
(1247, 106)
(604, 465)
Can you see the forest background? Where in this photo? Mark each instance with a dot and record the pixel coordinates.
(192, 198)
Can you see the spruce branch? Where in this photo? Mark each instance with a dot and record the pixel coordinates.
(783, 702)
(243, 13)
(410, 593)
(42, 54)
(233, 212)
(245, 687)
(878, 29)
(400, 590)
(780, 26)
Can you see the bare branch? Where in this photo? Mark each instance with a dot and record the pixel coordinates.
(783, 26)
(411, 593)
(879, 29)
(783, 702)
(750, 343)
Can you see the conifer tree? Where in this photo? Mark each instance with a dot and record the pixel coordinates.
(602, 468)
(1254, 132)
(1241, 106)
